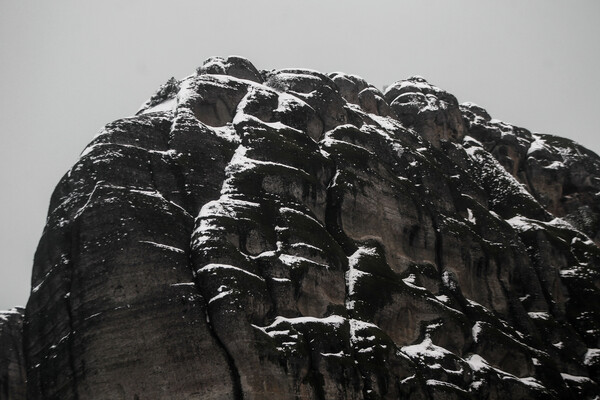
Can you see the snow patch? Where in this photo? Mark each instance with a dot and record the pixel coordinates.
(521, 224)
(531, 382)
(538, 144)
(434, 382)
(470, 216)
(293, 261)
(575, 378)
(338, 354)
(353, 274)
(220, 296)
(165, 105)
(225, 206)
(216, 267)
(542, 315)
(410, 282)
(592, 356)
(163, 246)
(477, 363)
(426, 349)
(476, 330)
(443, 298)
(358, 325)
(333, 320)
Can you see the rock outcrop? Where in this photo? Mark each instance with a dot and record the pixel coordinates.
(12, 359)
(289, 234)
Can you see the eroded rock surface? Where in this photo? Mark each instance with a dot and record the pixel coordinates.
(290, 234)
(12, 360)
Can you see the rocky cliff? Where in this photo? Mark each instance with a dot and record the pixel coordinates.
(12, 360)
(289, 234)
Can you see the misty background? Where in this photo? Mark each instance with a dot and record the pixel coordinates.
(69, 67)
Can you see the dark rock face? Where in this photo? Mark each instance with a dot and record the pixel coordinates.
(432, 112)
(560, 174)
(12, 360)
(294, 235)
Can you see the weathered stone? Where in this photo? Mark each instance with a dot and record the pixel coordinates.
(13, 375)
(562, 175)
(235, 66)
(372, 101)
(294, 235)
(319, 91)
(431, 111)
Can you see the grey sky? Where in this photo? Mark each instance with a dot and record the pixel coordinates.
(69, 67)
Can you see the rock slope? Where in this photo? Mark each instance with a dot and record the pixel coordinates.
(289, 234)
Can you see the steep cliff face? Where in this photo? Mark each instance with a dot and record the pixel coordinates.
(12, 360)
(295, 235)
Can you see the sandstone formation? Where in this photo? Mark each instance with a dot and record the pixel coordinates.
(289, 234)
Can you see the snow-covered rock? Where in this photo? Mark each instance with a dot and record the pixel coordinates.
(290, 234)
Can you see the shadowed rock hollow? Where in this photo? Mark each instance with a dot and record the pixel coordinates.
(289, 234)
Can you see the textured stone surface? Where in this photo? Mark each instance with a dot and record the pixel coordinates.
(12, 360)
(296, 235)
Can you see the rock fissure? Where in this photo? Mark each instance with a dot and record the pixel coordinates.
(238, 393)
(71, 347)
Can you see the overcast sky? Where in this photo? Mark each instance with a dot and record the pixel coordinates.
(69, 67)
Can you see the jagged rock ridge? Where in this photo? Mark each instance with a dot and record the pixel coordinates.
(295, 235)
